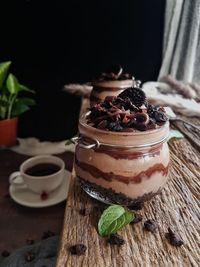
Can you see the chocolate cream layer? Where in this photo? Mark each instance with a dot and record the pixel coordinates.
(133, 175)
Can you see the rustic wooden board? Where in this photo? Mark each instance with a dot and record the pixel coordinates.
(177, 206)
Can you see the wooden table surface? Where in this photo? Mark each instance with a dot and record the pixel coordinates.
(177, 207)
(18, 223)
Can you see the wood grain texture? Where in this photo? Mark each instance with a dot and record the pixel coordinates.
(177, 207)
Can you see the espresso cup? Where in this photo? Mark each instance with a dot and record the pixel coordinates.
(39, 180)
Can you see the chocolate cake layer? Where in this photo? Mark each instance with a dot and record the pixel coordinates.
(110, 196)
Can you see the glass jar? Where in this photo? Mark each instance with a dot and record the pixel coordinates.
(122, 167)
(101, 89)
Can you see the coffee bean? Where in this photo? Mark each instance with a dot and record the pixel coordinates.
(150, 225)
(116, 239)
(78, 249)
(173, 238)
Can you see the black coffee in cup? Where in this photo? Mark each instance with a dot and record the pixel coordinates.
(42, 169)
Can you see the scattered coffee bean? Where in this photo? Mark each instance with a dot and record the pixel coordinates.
(173, 238)
(47, 234)
(29, 256)
(78, 249)
(44, 195)
(150, 225)
(5, 253)
(30, 241)
(137, 218)
(85, 212)
(115, 239)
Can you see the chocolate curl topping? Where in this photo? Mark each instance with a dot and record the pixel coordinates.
(115, 72)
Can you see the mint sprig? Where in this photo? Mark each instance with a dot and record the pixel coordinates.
(114, 218)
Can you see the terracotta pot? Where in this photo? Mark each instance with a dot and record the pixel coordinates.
(8, 132)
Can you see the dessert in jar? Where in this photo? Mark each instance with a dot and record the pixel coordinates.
(111, 83)
(122, 154)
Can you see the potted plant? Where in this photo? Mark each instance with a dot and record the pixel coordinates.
(11, 104)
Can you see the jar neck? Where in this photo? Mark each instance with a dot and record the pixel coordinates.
(122, 139)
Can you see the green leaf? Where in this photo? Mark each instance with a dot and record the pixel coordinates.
(4, 66)
(12, 84)
(27, 101)
(175, 134)
(18, 108)
(113, 219)
(25, 88)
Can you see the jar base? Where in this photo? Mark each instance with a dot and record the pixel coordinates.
(109, 196)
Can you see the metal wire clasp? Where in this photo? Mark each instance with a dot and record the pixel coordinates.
(83, 143)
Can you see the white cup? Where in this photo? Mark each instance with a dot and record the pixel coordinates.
(39, 184)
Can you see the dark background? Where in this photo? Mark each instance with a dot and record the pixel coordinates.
(52, 43)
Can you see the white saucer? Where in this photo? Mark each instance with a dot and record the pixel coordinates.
(25, 197)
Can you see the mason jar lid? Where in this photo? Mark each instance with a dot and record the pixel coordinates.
(123, 139)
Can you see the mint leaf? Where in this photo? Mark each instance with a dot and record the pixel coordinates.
(113, 219)
(175, 134)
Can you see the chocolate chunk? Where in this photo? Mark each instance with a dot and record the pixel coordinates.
(137, 218)
(115, 239)
(29, 256)
(173, 238)
(47, 234)
(85, 212)
(150, 225)
(5, 253)
(160, 116)
(78, 249)
(30, 241)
